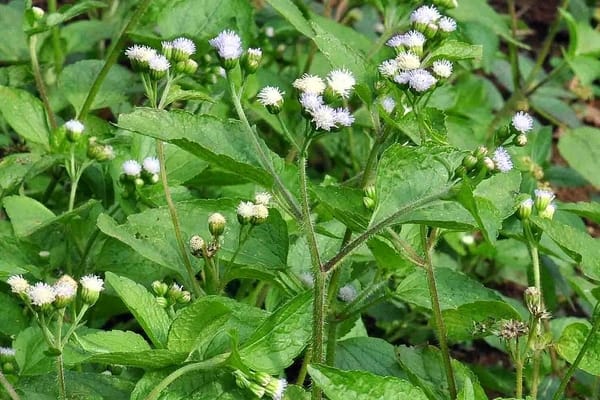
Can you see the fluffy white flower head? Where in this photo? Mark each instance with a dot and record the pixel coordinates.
(74, 126)
(228, 44)
(502, 160)
(41, 294)
(216, 218)
(402, 78)
(522, 122)
(447, 24)
(388, 68)
(442, 68)
(184, 45)
(270, 96)
(421, 80)
(245, 209)
(347, 293)
(324, 117)
(276, 388)
(263, 198)
(425, 15)
(151, 165)
(310, 101)
(413, 39)
(93, 283)
(341, 81)
(132, 168)
(408, 61)
(140, 53)
(343, 117)
(65, 290)
(260, 211)
(395, 41)
(159, 63)
(312, 84)
(388, 104)
(18, 284)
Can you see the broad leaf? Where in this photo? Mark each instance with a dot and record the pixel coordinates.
(581, 148)
(367, 354)
(25, 114)
(455, 50)
(30, 347)
(26, 214)
(461, 321)
(570, 344)
(293, 15)
(12, 318)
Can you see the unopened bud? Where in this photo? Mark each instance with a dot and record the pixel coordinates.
(258, 390)
(525, 209)
(216, 224)
(185, 297)
(188, 66)
(174, 292)
(241, 379)
(520, 140)
(38, 13)
(548, 212)
(489, 163)
(469, 162)
(162, 302)
(251, 60)
(160, 288)
(369, 203)
(533, 299)
(74, 130)
(481, 152)
(543, 198)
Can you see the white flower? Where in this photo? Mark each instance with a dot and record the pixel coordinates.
(544, 194)
(7, 352)
(132, 168)
(269, 31)
(341, 81)
(343, 117)
(522, 122)
(245, 209)
(18, 284)
(260, 212)
(276, 388)
(413, 39)
(41, 294)
(347, 293)
(402, 78)
(270, 96)
(228, 44)
(324, 117)
(502, 160)
(184, 45)
(255, 52)
(425, 15)
(65, 289)
(263, 198)
(311, 101)
(388, 104)
(408, 61)
(447, 24)
(159, 63)
(388, 68)
(74, 126)
(421, 80)
(216, 218)
(467, 239)
(140, 53)
(92, 283)
(151, 165)
(442, 68)
(310, 84)
(395, 41)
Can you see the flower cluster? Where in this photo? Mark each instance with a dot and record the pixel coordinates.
(261, 384)
(499, 161)
(542, 204)
(228, 45)
(175, 55)
(99, 152)
(216, 226)
(168, 296)
(135, 174)
(256, 212)
(58, 295)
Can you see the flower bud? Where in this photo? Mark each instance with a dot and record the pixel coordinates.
(369, 203)
(167, 49)
(489, 163)
(241, 379)
(460, 171)
(174, 292)
(257, 390)
(74, 130)
(216, 224)
(188, 66)
(276, 388)
(446, 3)
(520, 140)
(542, 199)
(251, 60)
(139, 182)
(469, 162)
(162, 302)
(197, 246)
(160, 288)
(481, 152)
(7, 354)
(185, 297)
(260, 213)
(38, 13)
(91, 286)
(525, 209)
(548, 212)
(533, 299)
(262, 378)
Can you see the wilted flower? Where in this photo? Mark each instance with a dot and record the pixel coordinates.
(502, 160)
(512, 329)
(197, 246)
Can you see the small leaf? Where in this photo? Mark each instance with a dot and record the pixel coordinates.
(357, 385)
(454, 50)
(25, 114)
(26, 214)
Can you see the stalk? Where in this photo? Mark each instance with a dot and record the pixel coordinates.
(56, 48)
(8, 387)
(60, 368)
(435, 306)
(39, 82)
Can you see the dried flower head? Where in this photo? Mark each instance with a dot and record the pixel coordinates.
(512, 329)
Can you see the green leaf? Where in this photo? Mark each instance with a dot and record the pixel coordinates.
(13, 47)
(26, 214)
(223, 143)
(293, 15)
(357, 385)
(570, 344)
(13, 169)
(587, 210)
(30, 347)
(25, 114)
(425, 368)
(148, 313)
(577, 244)
(461, 321)
(454, 289)
(12, 318)
(367, 354)
(454, 50)
(77, 79)
(581, 148)
(281, 337)
(345, 203)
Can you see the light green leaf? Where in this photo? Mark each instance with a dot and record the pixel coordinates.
(357, 385)
(25, 114)
(13, 47)
(454, 50)
(345, 203)
(30, 347)
(588, 210)
(570, 344)
(77, 79)
(293, 15)
(581, 148)
(461, 321)
(26, 214)
(281, 337)
(148, 313)
(12, 318)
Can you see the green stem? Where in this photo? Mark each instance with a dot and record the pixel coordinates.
(266, 163)
(56, 47)
(211, 363)
(519, 379)
(76, 322)
(535, 380)
(60, 368)
(512, 47)
(535, 261)
(288, 134)
(113, 55)
(588, 341)
(428, 245)
(39, 82)
(8, 387)
(160, 152)
(92, 239)
(304, 368)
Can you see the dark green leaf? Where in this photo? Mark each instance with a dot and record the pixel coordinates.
(25, 114)
(367, 354)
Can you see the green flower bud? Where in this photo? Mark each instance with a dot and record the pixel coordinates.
(38, 13)
(7, 354)
(162, 302)
(251, 60)
(216, 224)
(543, 198)
(160, 288)
(548, 212)
(241, 379)
(188, 66)
(185, 297)
(174, 292)
(74, 130)
(489, 163)
(369, 203)
(525, 209)
(258, 390)
(520, 140)
(469, 162)
(481, 152)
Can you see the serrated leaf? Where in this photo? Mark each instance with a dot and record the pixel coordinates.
(589, 210)
(25, 114)
(454, 50)
(570, 344)
(293, 15)
(345, 203)
(358, 385)
(281, 337)
(148, 313)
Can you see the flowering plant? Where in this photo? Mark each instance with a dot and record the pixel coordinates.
(296, 200)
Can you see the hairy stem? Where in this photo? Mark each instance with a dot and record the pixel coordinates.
(60, 368)
(588, 341)
(519, 379)
(39, 82)
(535, 379)
(113, 55)
(56, 47)
(8, 387)
(428, 245)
